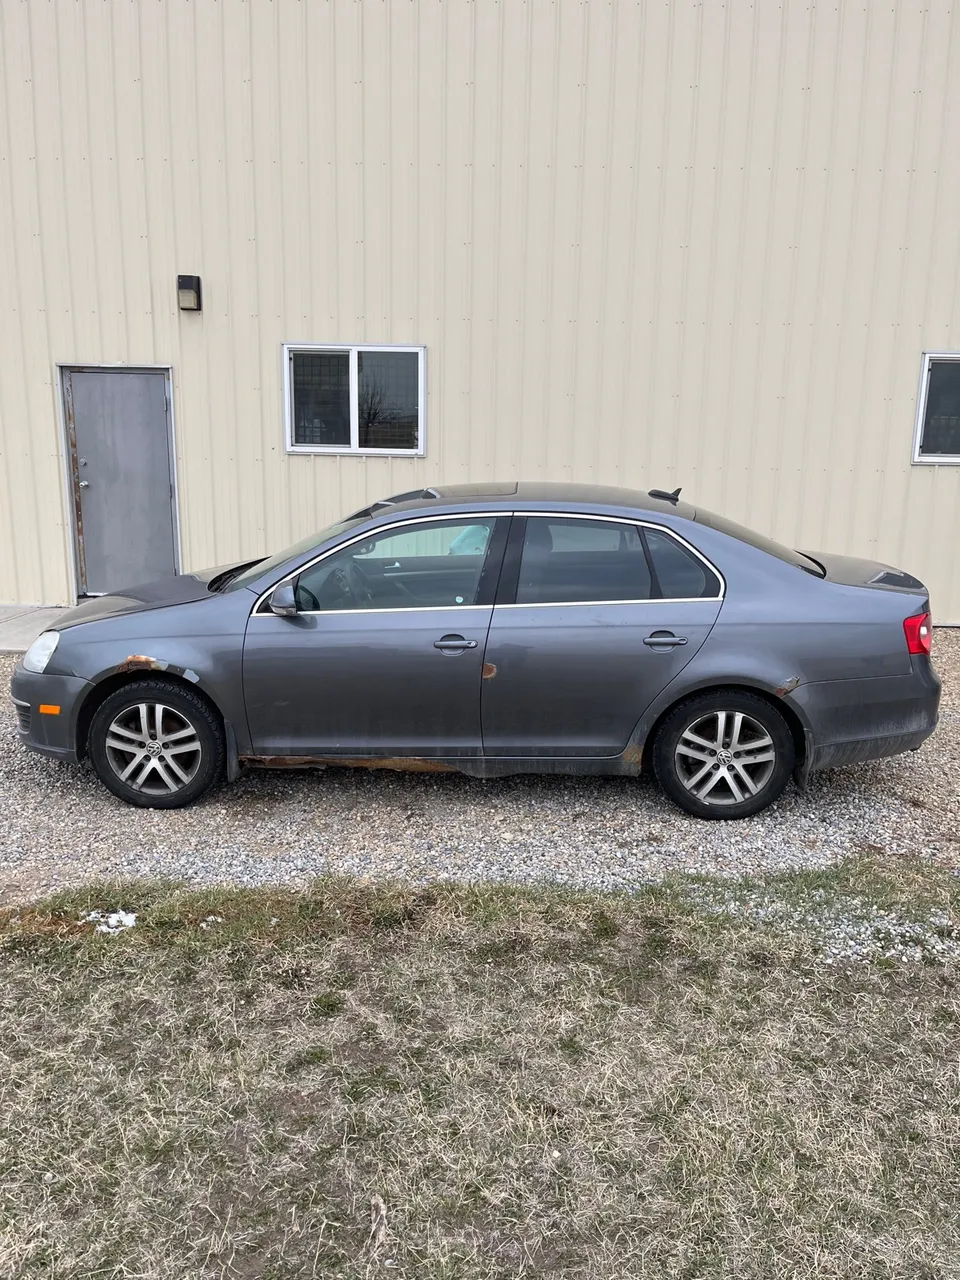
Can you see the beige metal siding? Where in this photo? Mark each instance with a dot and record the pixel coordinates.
(652, 243)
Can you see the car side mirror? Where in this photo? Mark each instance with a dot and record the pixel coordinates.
(283, 601)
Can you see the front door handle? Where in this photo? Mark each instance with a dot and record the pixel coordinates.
(664, 640)
(454, 644)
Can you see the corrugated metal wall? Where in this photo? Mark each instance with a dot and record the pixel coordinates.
(644, 242)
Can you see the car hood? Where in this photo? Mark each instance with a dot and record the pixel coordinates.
(179, 589)
(851, 571)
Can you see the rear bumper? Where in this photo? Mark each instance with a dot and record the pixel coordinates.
(850, 721)
(834, 755)
(50, 734)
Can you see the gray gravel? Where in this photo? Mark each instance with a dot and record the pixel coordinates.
(61, 827)
(850, 928)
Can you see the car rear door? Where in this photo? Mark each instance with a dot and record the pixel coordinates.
(593, 619)
(384, 654)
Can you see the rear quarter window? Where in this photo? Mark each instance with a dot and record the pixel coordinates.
(680, 574)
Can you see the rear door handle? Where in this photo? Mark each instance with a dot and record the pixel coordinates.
(664, 640)
(454, 644)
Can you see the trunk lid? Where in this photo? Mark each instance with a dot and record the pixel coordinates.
(851, 571)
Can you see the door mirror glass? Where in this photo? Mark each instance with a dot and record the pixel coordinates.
(282, 600)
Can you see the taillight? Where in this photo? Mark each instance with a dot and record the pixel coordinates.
(918, 631)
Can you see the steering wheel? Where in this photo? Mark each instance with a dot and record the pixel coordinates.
(353, 583)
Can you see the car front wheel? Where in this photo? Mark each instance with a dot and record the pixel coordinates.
(724, 755)
(156, 745)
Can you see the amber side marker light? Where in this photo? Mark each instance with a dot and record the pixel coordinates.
(48, 709)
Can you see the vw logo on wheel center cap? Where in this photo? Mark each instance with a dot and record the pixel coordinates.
(724, 756)
(154, 749)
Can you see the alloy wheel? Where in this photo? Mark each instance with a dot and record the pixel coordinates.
(725, 757)
(153, 748)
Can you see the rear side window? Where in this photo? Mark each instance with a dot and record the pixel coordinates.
(581, 561)
(680, 575)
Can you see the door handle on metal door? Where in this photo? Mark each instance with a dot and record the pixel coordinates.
(454, 644)
(664, 640)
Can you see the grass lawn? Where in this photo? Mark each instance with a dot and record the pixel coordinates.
(360, 1080)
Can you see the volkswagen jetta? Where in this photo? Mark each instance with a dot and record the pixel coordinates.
(496, 629)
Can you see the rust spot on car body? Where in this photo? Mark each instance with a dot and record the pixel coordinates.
(633, 754)
(788, 686)
(401, 764)
(489, 671)
(141, 662)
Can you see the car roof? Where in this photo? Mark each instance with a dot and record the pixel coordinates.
(512, 493)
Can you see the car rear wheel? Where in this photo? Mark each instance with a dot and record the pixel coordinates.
(156, 745)
(724, 755)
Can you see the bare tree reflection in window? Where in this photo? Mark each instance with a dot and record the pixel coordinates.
(387, 401)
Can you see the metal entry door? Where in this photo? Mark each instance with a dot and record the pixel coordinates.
(120, 459)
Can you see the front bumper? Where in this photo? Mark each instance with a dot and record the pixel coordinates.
(51, 734)
(851, 721)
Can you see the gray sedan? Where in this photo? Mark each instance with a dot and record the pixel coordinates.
(496, 629)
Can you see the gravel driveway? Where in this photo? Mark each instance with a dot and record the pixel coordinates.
(61, 827)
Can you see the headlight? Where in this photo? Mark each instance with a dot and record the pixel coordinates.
(41, 651)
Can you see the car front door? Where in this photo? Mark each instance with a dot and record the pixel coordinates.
(594, 618)
(384, 654)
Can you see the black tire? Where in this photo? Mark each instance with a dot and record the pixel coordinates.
(120, 737)
(689, 763)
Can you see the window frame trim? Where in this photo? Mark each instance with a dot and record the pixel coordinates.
(939, 459)
(511, 515)
(352, 349)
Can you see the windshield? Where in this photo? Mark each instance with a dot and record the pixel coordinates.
(261, 567)
(796, 558)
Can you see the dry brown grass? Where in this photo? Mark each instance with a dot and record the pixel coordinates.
(470, 1083)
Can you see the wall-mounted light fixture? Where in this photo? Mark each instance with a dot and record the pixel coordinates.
(188, 293)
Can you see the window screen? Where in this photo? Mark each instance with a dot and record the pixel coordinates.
(321, 398)
(940, 409)
(680, 574)
(572, 561)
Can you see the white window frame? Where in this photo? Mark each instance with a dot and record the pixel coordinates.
(353, 349)
(931, 459)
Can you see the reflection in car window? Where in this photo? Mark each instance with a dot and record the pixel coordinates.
(757, 540)
(428, 565)
(313, 540)
(680, 574)
(568, 561)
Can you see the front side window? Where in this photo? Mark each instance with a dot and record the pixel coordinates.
(581, 561)
(938, 414)
(354, 399)
(431, 564)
